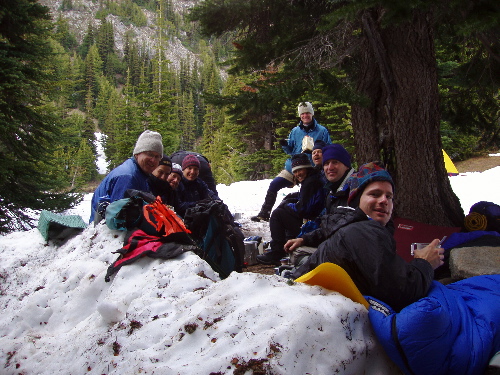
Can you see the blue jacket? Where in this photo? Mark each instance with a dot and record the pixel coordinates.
(311, 197)
(454, 330)
(127, 175)
(316, 131)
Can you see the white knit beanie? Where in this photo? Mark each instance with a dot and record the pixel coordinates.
(149, 141)
(305, 107)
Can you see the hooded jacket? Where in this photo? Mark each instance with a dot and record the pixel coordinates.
(367, 252)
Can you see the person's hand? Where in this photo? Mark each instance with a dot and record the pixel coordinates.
(292, 244)
(431, 253)
(283, 142)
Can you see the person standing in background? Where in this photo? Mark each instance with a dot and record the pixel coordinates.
(300, 140)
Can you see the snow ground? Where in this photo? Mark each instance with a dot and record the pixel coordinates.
(176, 316)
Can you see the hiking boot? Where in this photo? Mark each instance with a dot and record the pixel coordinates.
(260, 217)
(270, 258)
(265, 211)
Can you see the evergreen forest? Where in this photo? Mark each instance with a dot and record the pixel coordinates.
(231, 99)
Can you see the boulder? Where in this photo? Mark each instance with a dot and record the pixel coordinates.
(473, 261)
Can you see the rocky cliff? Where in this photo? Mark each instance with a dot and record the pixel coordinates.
(83, 13)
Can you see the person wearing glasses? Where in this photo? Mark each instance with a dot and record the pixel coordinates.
(131, 174)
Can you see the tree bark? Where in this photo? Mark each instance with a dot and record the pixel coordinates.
(398, 75)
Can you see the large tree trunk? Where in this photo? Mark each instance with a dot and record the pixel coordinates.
(401, 124)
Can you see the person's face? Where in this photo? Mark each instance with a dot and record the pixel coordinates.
(306, 118)
(191, 173)
(162, 172)
(377, 201)
(334, 170)
(174, 179)
(317, 156)
(148, 161)
(300, 174)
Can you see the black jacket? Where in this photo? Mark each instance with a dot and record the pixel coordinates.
(366, 250)
(337, 196)
(311, 198)
(165, 191)
(191, 192)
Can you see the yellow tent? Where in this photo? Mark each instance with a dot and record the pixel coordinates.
(450, 167)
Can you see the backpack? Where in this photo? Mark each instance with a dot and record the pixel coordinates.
(127, 213)
(154, 230)
(144, 211)
(222, 242)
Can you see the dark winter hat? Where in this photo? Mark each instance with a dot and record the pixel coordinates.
(149, 141)
(190, 161)
(176, 168)
(337, 152)
(300, 161)
(165, 160)
(367, 173)
(318, 144)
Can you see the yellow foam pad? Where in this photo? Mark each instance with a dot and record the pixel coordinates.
(333, 277)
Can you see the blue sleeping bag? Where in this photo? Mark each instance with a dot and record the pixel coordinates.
(454, 330)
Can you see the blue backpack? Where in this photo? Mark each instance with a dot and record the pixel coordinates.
(127, 213)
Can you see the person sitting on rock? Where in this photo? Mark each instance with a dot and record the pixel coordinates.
(158, 181)
(337, 169)
(175, 177)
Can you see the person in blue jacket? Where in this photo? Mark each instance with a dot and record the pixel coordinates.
(286, 220)
(300, 140)
(131, 174)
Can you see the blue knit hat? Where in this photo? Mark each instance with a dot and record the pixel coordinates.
(338, 152)
(318, 143)
(367, 173)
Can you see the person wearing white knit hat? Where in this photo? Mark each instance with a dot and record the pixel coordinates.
(301, 140)
(131, 174)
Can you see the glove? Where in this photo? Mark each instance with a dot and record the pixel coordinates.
(283, 142)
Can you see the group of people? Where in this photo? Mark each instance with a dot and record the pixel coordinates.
(175, 179)
(348, 211)
(350, 216)
(352, 209)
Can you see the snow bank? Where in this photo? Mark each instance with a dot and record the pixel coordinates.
(168, 317)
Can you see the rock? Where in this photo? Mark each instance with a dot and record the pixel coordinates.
(473, 261)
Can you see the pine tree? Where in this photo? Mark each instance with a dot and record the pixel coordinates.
(29, 127)
(88, 41)
(93, 65)
(385, 51)
(63, 34)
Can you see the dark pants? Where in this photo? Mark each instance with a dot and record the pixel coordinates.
(284, 224)
(279, 183)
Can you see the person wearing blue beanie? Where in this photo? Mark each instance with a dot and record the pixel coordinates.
(337, 169)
